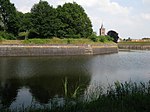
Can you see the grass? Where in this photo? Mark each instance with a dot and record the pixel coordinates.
(120, 97)
(52, 41)
(135, 43)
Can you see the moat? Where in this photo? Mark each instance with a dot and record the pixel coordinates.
(39, 81)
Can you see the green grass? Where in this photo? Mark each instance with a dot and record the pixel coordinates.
(135, 43)
(60, 41)
(53, 41)
(120, 97)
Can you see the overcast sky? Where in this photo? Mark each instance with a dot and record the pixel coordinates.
(130, 18)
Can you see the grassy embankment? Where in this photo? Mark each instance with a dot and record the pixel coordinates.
(134, 43)
(53, 41)
(120, 97)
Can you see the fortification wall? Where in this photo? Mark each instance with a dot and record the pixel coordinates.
(52, 50)
(134, 47)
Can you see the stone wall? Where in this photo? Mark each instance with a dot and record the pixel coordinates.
(134, 47)
(52, 50)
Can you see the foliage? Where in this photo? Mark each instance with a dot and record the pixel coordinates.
(58, 41)
(36, 41)
(23, 35)
(75, 92)
(5, 35)
(103, 39)
(75, 20)
(24, 21)
(119, 97)
(33, 34)
(114, 35)
(8, 17)
(93, 37)
(1, 38)
(134, 43)
(43, 18)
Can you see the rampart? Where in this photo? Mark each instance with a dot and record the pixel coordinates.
(53, 50)
(134, 47)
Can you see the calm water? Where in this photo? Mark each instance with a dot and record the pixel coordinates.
(39, 81)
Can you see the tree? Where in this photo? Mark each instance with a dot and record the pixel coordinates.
(44, 19)
(24, 21)
(8, 17)
(114, 35)
(75, 20)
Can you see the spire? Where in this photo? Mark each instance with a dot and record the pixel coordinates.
(101, 25)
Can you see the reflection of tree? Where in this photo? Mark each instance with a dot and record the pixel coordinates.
(43, 76)
(8, 91)
(44, 88)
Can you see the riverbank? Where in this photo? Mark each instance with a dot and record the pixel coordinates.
(56, 49)
(134, 45)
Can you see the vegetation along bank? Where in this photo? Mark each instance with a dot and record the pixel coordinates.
(134, 45)
(45, 31)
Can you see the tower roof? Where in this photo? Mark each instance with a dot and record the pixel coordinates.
(101, 25)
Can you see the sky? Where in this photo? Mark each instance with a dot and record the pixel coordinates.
(129, 18)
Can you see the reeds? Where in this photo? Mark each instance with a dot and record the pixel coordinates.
(119, 97)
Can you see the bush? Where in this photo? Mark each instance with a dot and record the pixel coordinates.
(33, 34)
(103, 39)
(109, 38)
(22, 35)
(7, 36)
(1, 38)
(94, 38)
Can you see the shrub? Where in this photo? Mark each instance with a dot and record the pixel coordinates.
(7, 36)
(1, 38)
(94, 38)
(103, 39)
(22, 35)
(33, 34)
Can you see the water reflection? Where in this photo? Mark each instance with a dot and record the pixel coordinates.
(39, 80)
(8, 91)
(36, 80)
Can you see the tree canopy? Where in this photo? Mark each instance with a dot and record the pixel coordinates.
(75, 20)
(44, 19)
(8, 17)
(67, 21)
(114, 35)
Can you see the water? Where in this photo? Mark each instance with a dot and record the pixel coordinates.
(39, 81)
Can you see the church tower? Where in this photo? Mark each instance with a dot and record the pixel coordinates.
(102, 31)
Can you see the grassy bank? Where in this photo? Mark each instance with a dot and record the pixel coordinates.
(134, 43)
(120, 97)
(52, 41)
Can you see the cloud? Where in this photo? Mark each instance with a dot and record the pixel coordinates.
(24, 5)
(113, 7)
(128, 19)
(146, 16)
(146, 1)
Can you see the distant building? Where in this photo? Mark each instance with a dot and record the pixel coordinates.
(102, 31)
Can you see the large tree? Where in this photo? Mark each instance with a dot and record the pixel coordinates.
(8, 17)
(24, 21)
(114, 35)
(75, 20)
(44, 19)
